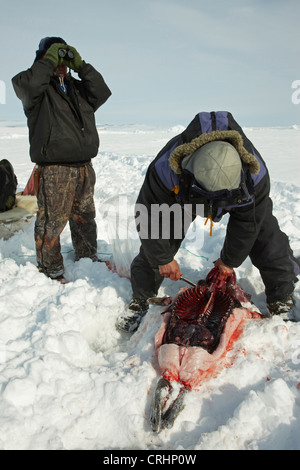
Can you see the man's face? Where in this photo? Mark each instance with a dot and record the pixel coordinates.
(61, 70)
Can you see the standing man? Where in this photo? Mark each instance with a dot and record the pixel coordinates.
(214, 166)
(63, 139)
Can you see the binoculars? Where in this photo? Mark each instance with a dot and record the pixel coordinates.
(66, 52)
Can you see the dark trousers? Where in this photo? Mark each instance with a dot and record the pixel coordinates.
(145, 278)
(65, 194)
(271, 254)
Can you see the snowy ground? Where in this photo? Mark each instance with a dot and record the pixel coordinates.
(69, 380)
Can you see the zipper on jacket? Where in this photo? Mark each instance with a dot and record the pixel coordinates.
(74, 108)
(78, 105)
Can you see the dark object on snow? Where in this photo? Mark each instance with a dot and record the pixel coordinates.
(8, 186)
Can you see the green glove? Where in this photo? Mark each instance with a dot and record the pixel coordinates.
(52, 53)
(74, 63)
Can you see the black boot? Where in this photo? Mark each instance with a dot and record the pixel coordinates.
(131, 319)
(280, 306)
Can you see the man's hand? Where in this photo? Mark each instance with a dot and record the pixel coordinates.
(226, 271)
(170, 270)
(74, 63)
(52, 53)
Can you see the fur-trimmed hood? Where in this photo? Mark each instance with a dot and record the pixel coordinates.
(232, 137)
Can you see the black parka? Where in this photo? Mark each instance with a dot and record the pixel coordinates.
(61, 126)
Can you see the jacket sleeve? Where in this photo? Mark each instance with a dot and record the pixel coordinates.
(93, 86)
(156, 247)
(31, 84)
(244, 226)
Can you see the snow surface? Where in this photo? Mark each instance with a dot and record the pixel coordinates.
(69, 380)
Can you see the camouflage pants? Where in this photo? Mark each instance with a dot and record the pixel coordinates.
(65, 194)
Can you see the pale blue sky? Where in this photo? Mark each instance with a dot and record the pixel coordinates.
(167, 60)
